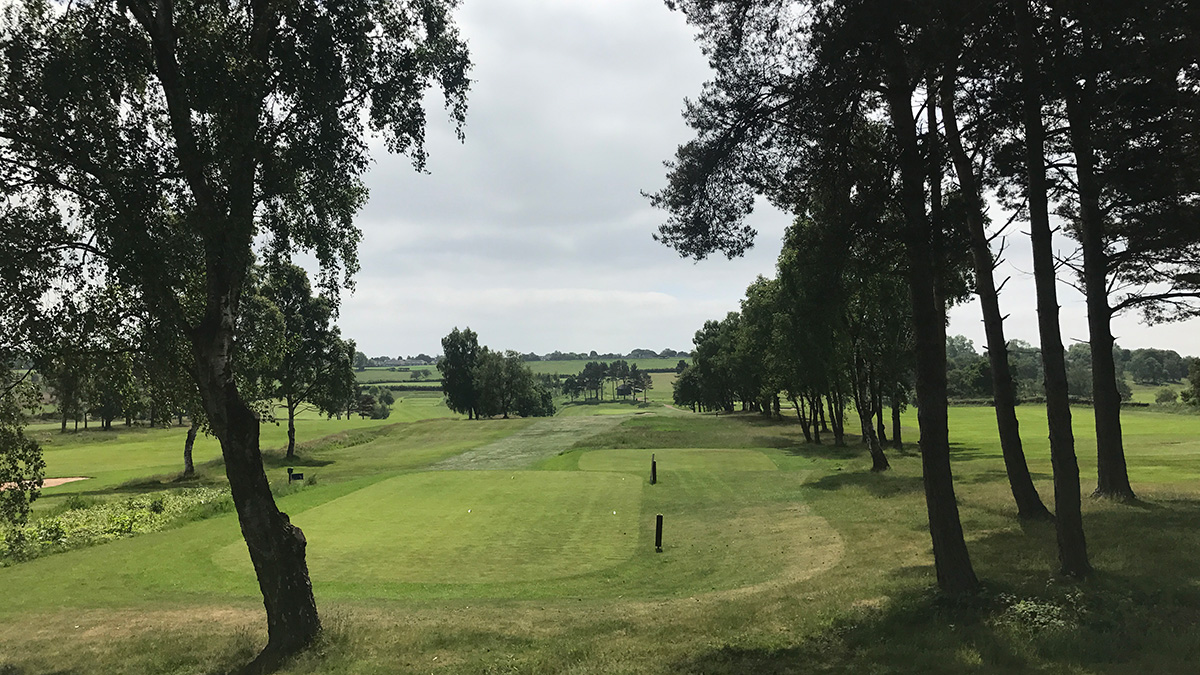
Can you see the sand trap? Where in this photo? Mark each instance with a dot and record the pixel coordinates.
(49, 482)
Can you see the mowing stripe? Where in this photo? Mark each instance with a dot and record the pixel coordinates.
(544, 438)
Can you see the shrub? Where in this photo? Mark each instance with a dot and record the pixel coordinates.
(1166, 395)
(80, 522)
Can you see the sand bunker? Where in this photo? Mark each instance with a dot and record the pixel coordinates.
(49, 482)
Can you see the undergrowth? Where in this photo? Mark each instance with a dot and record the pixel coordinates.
(81, 521)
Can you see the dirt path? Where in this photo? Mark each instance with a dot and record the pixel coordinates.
(543, 438)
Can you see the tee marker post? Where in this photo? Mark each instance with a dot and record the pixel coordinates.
(658, 534)
(653, 470)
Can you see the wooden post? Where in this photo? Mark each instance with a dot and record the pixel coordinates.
(658, 533)
(653, 470)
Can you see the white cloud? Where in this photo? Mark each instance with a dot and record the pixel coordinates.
(534, 233)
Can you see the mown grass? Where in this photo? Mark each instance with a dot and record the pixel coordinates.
(376, 375)
(779, 557)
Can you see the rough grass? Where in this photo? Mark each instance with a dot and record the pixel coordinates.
(817, 566)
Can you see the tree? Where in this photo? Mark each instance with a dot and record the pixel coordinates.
(198, 130)
(618, 371)
(785, 77)
(361, 361)
(22, 467)
(1072, 544)
(458, 371)
(1191, 395)
(591, 378)
(537, 400)
(969, 171)
(1146, 367)
(1117, 68)
(310, 367)
(507, 386)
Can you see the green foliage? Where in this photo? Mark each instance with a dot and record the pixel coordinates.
(296, 351)
(462, 353)
(22, 466)
(1191, 394)
(1166, 395)
(79, 522)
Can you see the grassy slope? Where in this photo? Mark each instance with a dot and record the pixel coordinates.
(780, 557)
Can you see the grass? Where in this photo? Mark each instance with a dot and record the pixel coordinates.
(376, 375)
(475, 528)
(779, 557)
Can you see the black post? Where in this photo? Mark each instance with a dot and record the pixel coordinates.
(289, 475)
(658, 533)
(653, 470)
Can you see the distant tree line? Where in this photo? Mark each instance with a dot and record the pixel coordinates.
(482, 383)
(362, 361)
(620, 377)
(108, 364)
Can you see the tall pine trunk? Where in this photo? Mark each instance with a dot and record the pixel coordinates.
(1029, 503)
(1112, 474)
(955, 574)
(1072, 545)
(897, 441)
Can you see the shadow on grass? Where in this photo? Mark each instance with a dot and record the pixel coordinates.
(826, 451)
(1137, 622)
(914, 632)
(881, 484)
(278, 461)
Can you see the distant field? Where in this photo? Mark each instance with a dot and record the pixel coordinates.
(377, 375)
(1145, 393)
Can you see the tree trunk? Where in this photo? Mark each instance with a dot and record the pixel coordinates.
(837, 419)
(1112, 474)
(877, 402)
(896, 439)
(864, 405)
(800, 413)
(276, 546)
(817, 413)
(955, 573)
(1072, 546)
(189, 469)
(291, 408)
(1029, 503)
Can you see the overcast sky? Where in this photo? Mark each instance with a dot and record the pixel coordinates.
(534, 233)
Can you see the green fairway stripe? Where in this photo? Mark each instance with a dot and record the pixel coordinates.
(469, 527)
